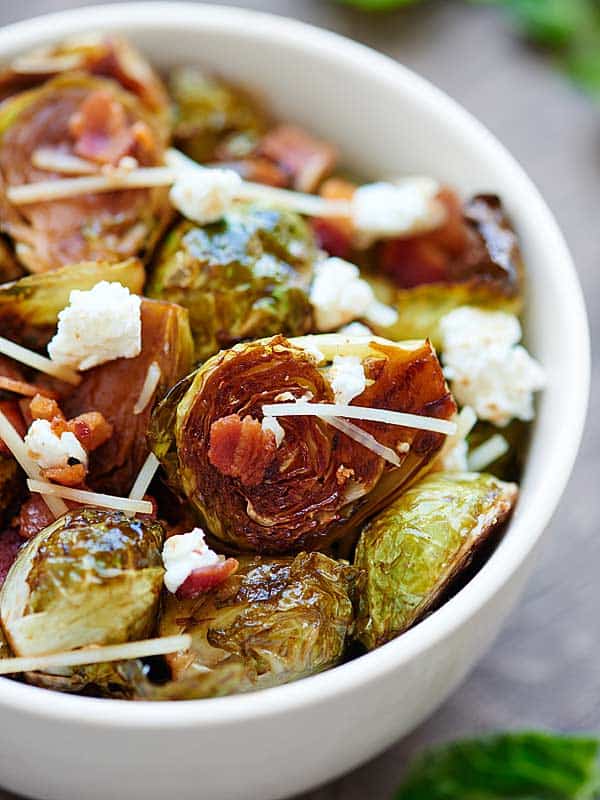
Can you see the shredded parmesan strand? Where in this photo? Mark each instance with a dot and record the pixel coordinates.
(50, 159)
(150, 383)
(18, 448)
(301, 409)
(91, 498)
(368, 441)
(97, 655)
(45, 191)
(310, 205)
(36, 361)
(488, 452)
(144, 478)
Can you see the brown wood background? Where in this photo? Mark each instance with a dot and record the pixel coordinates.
(544, 670)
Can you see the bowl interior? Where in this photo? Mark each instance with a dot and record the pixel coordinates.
(386, 121)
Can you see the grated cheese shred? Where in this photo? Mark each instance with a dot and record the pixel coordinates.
(91, 498)
(144, 478)
(150, 383)
(368, 441)
(36, 361)
(481, 457)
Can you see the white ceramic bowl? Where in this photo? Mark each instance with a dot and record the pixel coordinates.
(278, 742)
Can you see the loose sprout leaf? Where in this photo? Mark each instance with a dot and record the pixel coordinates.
(511, 766)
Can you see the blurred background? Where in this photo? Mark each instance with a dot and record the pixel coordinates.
(543, 670)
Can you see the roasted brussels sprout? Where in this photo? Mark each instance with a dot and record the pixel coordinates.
(29, 307)
(317, 484)
(474, 260)
(116, 388)
(410, 552)
(93, 577)
(245, 277)
(213, 118)
(98, 54)
(274, 621)
(94, 119)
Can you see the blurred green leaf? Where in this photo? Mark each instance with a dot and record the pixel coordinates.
(510, 766)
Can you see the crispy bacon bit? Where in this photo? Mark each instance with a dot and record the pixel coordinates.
(204, 579)
(11, 410)
(44, 408)
(34, 516)
(334, 235)
(307, 160)
(91, 429)
(71, 475)
(241, 448)
(343, 475)
(10, 543)
(100, 129)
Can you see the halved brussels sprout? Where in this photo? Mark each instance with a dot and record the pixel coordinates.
(29, 307)
(108, 56)
(115, 387)
(410, 552)
(317, 484)
(84, 116)
(242, 278)
(93, 577)
(474, 260)
(274, 621)
(211, 114)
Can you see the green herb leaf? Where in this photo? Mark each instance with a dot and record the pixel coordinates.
(379, 5)
(512, 766)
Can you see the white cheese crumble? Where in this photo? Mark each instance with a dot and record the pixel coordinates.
(51, 451)
(98, 325)
(486, 366)
(205, 195)
(184, 553)
(339, 295)
(272, 424)
(384, 209)
(356, 329)
(347, 378)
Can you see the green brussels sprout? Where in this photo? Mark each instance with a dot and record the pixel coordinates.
(318, 484)
(211, 113)
(410, 552)
(93, 577)
(272, 622)
(474, 260)
(29, 307)
(242, 278)
(91, 227)
(114, 389)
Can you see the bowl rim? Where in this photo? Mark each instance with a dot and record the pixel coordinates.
(531, 521)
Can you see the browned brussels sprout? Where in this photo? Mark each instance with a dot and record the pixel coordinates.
(410, 552)
(315, 483)
(115, 389)
(29, 307)
(474, 259)
(242, 278)
(274, 621)
(93, 577)
(213, 118)
(108, 56)
(82, 119)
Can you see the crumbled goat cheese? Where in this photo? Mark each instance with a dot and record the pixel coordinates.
(486, 366)
(355, 329)
(272, 424)
(49, 450)
(183, 554)
(455, 458)
(339, 295)
(98, 325)
(347, 378)
(205, 195)
(382, 210)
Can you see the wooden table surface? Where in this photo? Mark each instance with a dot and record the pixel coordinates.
(543, 669)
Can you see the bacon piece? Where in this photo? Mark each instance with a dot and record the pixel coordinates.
(334, 234)
(10, 544)
(11, 410)
(307, 160)
(204, 579)
(71, 475)
(44, 408)
(241, 448)
(91, 429)
(100, 129)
